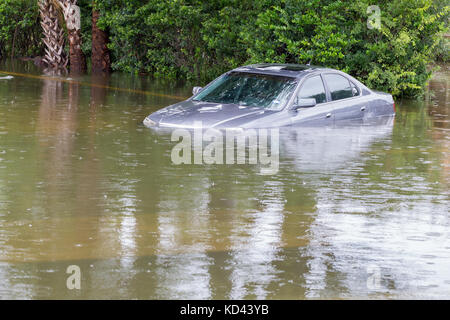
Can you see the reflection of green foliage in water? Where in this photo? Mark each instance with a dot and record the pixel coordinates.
(412, 153)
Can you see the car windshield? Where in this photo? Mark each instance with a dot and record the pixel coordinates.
(249, 89)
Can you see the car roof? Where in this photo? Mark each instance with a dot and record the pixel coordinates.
(282, 69)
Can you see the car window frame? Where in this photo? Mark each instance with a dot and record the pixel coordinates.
(327, 88)
(302, 83)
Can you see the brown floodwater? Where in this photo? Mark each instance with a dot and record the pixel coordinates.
(359, 212)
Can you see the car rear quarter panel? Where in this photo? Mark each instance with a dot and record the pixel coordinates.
(382, 104)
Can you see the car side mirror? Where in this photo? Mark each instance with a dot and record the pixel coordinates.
(304, 103)
(196, 90)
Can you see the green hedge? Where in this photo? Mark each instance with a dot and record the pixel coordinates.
(198, 40)
(19, 25)
(393, 58)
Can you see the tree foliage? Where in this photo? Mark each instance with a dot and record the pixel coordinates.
(393, 58)
(193, 39)
(20, 32)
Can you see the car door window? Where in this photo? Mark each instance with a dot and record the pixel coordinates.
(339, 86)
(312, 88)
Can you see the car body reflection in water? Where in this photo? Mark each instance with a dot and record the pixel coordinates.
(323, 149)
(250, 243)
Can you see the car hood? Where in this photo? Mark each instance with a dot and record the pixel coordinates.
(189, 114)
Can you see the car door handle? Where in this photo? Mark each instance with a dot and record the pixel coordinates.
(363, 108)
(328, 115)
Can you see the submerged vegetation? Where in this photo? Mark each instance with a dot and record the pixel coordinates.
(198, 40)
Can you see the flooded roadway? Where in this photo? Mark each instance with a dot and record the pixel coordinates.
(359, 212)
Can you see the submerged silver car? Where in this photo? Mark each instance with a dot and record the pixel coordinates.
(276, 95)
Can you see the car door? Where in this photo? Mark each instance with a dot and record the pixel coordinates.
(345, 97)
(321, 113)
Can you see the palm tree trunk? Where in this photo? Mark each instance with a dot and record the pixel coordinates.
(54, 57)
(73, 23)
(100, 54)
